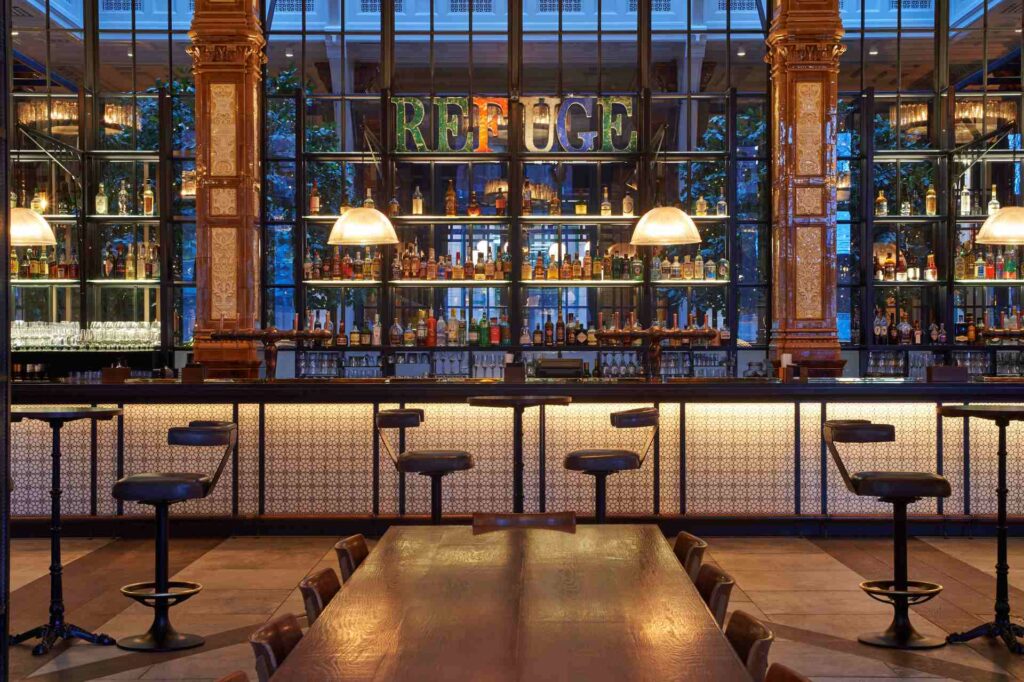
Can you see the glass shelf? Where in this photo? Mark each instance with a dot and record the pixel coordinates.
(990, 282)
(450, 220)
(888, 219)
(912, 283)
(124, 282)
(450, 283)
(343, 283)
(118, 218)
(690, 282)
(568, 283)
(576, 220)
(44, 282)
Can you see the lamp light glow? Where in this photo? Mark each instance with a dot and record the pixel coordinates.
(362, 227)
(28, 228)
(1005, 227)
(663, 226)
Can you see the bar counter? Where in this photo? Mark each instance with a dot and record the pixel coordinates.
(732, 456)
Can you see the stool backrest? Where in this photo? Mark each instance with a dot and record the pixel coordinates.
(751, 641)
(854, 431)
(689, 550)
(317, 591)
(207, 434)
(405, 418)
(237, 676)
(273, 642)
(780, 673)
(351, 551)
(563, 521)
(715, 586)
(641, 417)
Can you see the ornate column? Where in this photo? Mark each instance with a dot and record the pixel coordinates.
(227, 53)
(804, 49)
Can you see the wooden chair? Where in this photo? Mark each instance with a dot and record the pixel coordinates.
(351, 551)
(562, 521)
(273, 642)
(751, 640)
(780, 673)
(715, 586)
(689, 550)
(317, 591)
(237, 676)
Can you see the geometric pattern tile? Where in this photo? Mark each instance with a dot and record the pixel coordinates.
(810, 458)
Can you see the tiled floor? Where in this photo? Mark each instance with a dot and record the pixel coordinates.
(806, 589)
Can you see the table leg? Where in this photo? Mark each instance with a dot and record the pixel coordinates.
(517, 457)
(56, 627)
(1001, 627)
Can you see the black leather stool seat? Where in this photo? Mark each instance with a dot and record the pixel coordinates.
(598, 459)
(900, 484)
(434, 461)
(173, 487)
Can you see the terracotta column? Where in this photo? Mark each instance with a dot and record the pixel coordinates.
(804, 49)
(227, 53)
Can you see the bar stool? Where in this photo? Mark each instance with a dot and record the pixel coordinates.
(351, 551)
(898, 488)
(433, 463)
(602, 462)
(162, 490)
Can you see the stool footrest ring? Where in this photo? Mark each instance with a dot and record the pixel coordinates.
(917, 592)
(177, 592)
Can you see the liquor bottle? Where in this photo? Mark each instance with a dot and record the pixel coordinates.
(450, 202)
(965, 197)
(627, 205)
(345, 206)
(483, 332)
(931, 201)
(990, 265)
(686, 269)
(527, 196)
(552, 268)
(489, 268)
(307, 265)
(656, 265)
(131, 266)
(317, 271)
(993, 204)
(497, 332)
(25, 267)
(698, 266)
(565, 272)
(73, 268)
(37, 202)
(1011, 263)
(901, 267)
(723, 269)
(430, 338)
(120, 264)
(14, 265)
(905, 330)
(539, 271)
(417, 201)
(478, 268)
(893, 331)
(701, 207)
(1000, 265)
(637, 267)
(676, 269)
(721, 208)
(148, 199)
(931, 272)
(394, 208)
(122, 199)
(881, 204)
(960, 266)
(455, 330)
(577, 268)
(549, 331)
(597, 269)
(538, 336)
(101, 201)
(441, 331)
(314, 199)
(606, 204)
(979, 266)
(591, 335)
(524, 336)
(474, 208)
(431, 265)
(710, 269)
(500, 202)
(395, 334)
(905, 206)
(918, 333)
(560, 330)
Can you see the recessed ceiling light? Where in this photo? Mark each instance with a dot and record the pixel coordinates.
(873, 52)
(1018, 30)
(741, 52)
(14, 33)
(289, 54)
(130, 55)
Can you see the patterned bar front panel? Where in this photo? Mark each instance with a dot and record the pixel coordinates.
(319, 459)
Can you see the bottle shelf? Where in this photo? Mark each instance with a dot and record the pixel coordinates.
(679, 283)
(570, 283)
(576, 220)
(989, 282)
(412, 220)
(980, 218)
(118, 218)
(60, 217)
(124, 282)
(891, 219)
(44, 282)
(450, 283)
(910, 283)
(343, 283)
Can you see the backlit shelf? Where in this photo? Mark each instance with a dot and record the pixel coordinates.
(125, 282)
(992, 282)
(570, 283)
(450, 283)
(44, 282)
(690, 282)
(343, 283)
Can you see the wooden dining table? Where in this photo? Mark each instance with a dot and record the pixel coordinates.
(606, 602)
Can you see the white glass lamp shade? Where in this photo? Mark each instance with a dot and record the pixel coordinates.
(1005, 227)
(663, 226)
(362, 227)
(28, 228)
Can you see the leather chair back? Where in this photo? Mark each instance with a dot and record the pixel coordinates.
(689, 550)
(317, 591)
(715, 587)
(563, 521)
(853, 431)
(237, 676)
(635, 419)
(351, 551)
(273, 642)
(399, 419)
(751, 640)
(780, 673)
(207, 434)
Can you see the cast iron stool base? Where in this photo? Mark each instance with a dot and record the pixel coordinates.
(50, 633)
